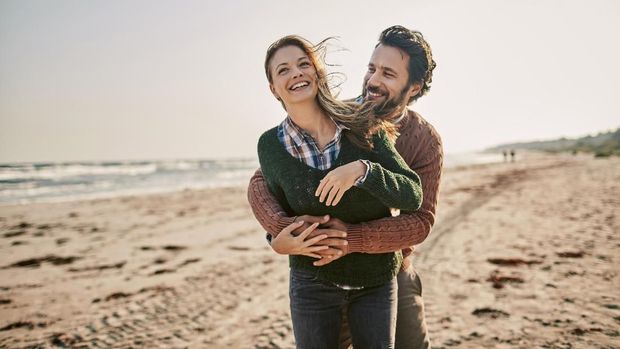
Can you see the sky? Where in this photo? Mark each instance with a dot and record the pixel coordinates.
(144, 80)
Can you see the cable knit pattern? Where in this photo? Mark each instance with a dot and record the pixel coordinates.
(421, 148)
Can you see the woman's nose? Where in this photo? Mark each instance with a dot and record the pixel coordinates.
(297, 72)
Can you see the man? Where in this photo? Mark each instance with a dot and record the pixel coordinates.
(399, 72)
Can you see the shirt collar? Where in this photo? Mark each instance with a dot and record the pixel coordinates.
(299, 136)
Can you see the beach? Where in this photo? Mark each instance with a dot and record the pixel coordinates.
(522, 255)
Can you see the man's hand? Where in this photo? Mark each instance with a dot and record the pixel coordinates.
(286, 243)
(337, 247)
(335, 224)
(307, 221)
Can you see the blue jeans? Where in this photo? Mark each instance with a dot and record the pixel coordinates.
(411, 331)
(316, 307)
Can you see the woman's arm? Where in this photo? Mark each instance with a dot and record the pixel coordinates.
(389, 179)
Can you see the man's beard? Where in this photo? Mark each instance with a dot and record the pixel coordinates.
(390, 108)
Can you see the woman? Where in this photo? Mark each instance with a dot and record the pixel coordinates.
(311, 163)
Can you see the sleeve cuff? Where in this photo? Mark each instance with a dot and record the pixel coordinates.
(354, 237)
(361, 180)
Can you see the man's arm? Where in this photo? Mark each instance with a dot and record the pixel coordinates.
(266, 208)
(410, 228)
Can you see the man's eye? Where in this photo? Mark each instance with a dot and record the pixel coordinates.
(371, 70)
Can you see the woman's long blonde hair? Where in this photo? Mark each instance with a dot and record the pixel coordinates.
(363, 120)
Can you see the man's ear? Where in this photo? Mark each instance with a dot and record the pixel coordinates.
(414, 90)
(273, 91)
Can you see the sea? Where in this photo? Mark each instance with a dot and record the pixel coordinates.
(23, 183)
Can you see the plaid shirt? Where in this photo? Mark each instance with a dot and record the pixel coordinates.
(302, 146)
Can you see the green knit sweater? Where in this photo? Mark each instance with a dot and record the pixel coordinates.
(389, 184)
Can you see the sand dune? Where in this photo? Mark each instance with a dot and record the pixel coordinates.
(523, 255)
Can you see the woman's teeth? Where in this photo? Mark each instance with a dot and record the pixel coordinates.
(299, 85)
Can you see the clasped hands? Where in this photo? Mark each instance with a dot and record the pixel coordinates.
(321, 237)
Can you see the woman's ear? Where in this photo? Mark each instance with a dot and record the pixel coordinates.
(273, 91)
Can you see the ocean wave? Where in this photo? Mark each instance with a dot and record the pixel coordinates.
(60, 171)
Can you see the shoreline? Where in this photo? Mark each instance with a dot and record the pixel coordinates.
(452, 160)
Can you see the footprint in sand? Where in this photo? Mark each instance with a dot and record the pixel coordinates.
(23, 324)
(36, 262)
(498, 280)
(14, 233)
(490, 313)
(571, 254)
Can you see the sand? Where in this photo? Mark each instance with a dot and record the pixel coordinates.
(523, 255)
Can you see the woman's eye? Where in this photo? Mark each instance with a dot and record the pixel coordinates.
(305, 64)
(282, 71)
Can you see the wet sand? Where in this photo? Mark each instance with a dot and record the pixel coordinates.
(523, 255)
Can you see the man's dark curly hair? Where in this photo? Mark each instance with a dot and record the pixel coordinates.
(421, 63)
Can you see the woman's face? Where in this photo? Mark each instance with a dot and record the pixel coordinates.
(294, 77)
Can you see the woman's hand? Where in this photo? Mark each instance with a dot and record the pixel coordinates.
(338, 181)
(287, 243)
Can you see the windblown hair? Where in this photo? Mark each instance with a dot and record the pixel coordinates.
(360, 119)
(421, 63)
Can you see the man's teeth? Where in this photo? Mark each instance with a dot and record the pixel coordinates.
(298, 85)
(374, 94)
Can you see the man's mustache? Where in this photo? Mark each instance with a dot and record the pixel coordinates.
(376, 90)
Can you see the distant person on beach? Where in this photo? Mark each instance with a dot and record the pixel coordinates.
(323, 150)
(505, 152)
(512, 155)
(402, 59)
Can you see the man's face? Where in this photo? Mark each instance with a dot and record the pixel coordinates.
(386, 79)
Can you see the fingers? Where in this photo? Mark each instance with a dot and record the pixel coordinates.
(332, 194)
(314, 241)
(328, 256)
(313, 255)
(315, 219)
(330, 252)
(289, 229)
(326, 190)
(308, 230)
(324, 261)
(331, 233)
(315, 249)
(322, 184)
(333, 223)
(338, 197)
(333, 242)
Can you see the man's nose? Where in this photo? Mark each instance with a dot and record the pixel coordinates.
(373, 80)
